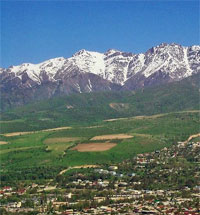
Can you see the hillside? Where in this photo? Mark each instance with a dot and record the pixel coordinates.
(91, 108)
(114, 141)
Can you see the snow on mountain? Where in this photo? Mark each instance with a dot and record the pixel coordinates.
(52, 66)
(169, 58)
(115, 66)
(34, 71)
(88, 71)
(88, 61)
(193, 54)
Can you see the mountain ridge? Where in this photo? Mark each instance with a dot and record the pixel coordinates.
(82, 57)
(88, 71)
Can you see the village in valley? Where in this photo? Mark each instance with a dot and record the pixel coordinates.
(165, 181)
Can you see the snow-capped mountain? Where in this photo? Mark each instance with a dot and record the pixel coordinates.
(88, 71)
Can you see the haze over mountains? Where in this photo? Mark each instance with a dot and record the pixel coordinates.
(88, 71)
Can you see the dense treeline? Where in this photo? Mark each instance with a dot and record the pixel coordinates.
(36, 173)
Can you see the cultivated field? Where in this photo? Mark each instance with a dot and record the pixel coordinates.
(59, 145)
(18, 133)
(94, 147)
(58, 148)
(32, 132)
(3, 142)
(60, 140)
(112, 137)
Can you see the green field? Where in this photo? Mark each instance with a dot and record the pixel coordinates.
(156, 117)
(33, 151)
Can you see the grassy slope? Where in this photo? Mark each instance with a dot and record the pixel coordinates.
(91, 108)
(149, 133)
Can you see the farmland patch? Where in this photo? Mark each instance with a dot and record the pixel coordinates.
(112, 137)
(3, 142)
(32, 132)
(60, 140)
(94, 147)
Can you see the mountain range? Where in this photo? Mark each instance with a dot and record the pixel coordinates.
(88, 71)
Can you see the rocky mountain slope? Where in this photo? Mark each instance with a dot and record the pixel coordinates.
(88, 71)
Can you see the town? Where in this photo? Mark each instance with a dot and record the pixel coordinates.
(165, 181)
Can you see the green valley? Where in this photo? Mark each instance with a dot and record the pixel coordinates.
(48, 149)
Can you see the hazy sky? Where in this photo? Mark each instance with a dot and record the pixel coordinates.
(36, 31)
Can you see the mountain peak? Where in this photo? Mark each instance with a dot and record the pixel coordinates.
(80, 52)
(111, 51)
(88, 71)
(195, 48)
(168, 45)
